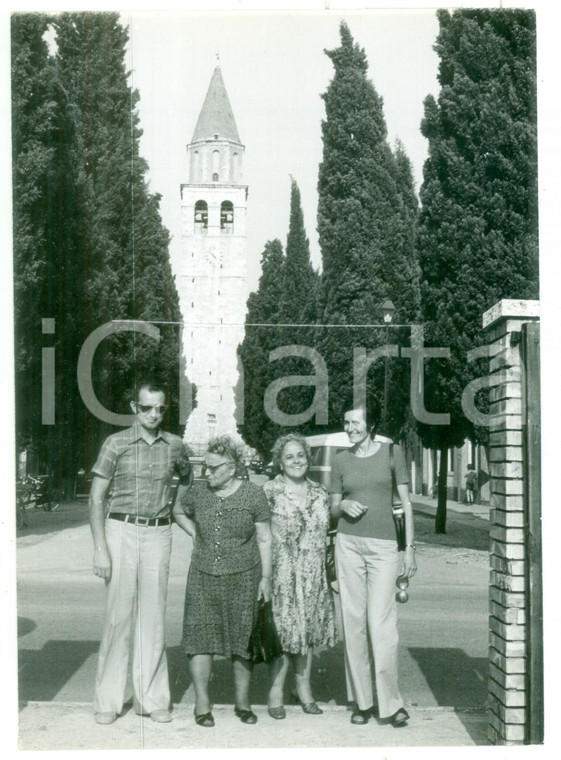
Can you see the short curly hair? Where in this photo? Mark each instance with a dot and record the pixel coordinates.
(281, 442)
(228, 447)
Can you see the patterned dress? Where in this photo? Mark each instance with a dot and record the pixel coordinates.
(221, 593)
(302, 600)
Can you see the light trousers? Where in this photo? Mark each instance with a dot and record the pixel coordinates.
(135, 607)
(367, 569)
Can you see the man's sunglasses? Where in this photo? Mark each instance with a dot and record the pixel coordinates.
(148, 407)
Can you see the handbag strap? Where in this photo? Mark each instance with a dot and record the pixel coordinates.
(395, 492)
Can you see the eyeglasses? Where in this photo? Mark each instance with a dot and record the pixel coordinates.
(212, 468)
(402, 583)
(148, 407)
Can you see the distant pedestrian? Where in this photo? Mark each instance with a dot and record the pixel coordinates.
(131, 527)
(228, 519)
(471, 484)
(434, 487)
(368, 564)
(302, 601)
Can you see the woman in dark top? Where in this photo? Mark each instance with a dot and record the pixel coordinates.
(228, 520)
(368, 564)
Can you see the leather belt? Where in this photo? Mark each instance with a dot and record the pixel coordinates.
(145, 522)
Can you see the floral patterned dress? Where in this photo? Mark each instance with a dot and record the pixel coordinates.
(302, 601)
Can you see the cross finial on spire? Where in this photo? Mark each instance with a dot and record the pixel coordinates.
(217, 57)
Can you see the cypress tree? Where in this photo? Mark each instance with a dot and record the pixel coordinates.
(286, 301)
(477, 238)
(32, 158)
(124, 246)
(99, 251)
(297, 304)
(43, 236)
(366, 217)
(297, 307)
(258, 430)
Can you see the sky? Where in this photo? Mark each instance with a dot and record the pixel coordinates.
(275, 71)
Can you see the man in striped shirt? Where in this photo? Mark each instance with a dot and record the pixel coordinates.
(131, 526)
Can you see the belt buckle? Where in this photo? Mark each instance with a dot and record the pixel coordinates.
(142, 521)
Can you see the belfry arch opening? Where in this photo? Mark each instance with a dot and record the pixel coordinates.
(227, 216)
(201, 216)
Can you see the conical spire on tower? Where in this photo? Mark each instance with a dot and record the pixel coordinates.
(216, 117)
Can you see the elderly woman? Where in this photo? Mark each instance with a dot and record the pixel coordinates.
(228, 520)
(302, 602)
(368, 564)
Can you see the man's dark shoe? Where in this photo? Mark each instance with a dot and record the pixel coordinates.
(399, 718)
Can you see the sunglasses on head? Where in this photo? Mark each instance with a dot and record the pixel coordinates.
(159, 409)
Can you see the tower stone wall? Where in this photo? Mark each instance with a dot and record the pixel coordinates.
(212, 274)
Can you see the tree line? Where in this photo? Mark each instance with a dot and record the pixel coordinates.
(90, 246)
(470, 240)
(89, 243)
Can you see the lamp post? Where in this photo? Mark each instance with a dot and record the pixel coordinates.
(387, 309)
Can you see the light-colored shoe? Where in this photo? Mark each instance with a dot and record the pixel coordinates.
(311, 708)
(160, 716)
(105, 718)
(278, 713)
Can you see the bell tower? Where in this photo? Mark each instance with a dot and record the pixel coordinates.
(212, 277)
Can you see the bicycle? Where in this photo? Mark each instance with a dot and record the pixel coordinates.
(23, 497)
(40, 491)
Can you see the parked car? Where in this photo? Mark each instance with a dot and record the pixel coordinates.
(83, 483)
(197, 463)
(323, 449)
(256, 464)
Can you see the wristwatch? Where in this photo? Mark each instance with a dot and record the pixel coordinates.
(410, 546)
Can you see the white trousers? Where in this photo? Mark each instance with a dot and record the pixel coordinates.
(135, 606)
(367, 569)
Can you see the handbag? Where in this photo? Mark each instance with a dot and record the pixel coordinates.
(397, 508)
(264, 642)
(330, 570)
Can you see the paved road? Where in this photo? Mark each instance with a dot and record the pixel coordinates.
(443, 628)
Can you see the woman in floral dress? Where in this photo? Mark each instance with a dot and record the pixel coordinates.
(302, 600)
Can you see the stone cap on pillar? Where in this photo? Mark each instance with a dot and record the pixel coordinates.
(511, 309)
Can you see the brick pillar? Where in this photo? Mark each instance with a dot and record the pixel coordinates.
(507, 586)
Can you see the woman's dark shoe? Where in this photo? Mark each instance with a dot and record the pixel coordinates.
(360, 717)
(246, 716)
(400, 718)
(311, 708)
(204, 719)
(278, 713)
